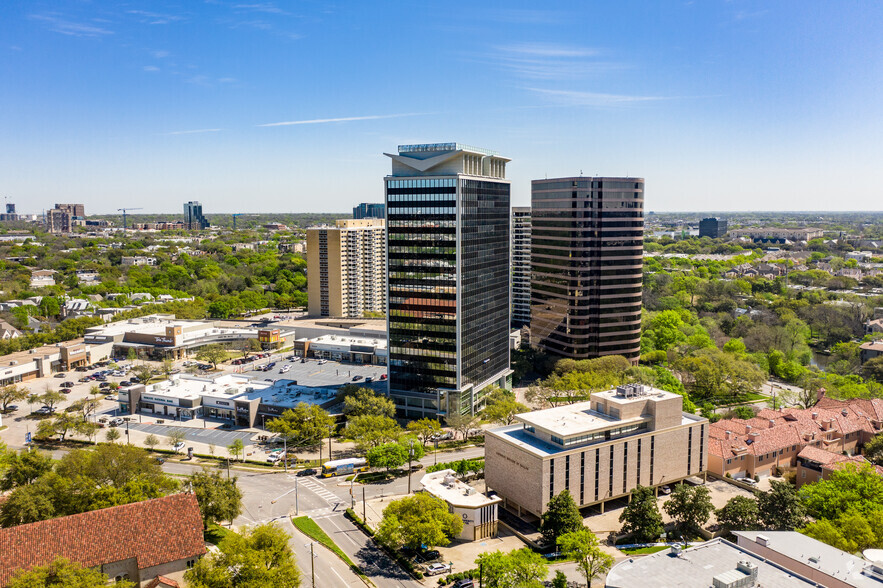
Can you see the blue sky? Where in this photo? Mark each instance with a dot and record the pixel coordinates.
(288, 106)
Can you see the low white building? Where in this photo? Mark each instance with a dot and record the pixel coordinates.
(478, 512)
(340, 348)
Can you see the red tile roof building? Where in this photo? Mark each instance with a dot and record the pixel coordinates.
(137, 541)
(775, 438)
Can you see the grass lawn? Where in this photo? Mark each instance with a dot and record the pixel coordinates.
(644, 550)
(215, 533)
(308, 527)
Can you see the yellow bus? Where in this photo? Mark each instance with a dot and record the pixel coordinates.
(340, 467)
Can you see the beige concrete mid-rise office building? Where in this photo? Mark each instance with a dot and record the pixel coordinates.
(597, 450)
(346, 267)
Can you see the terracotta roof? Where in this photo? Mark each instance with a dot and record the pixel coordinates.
(155, 531)
(162, 582)
(821, 456)
(770, 430)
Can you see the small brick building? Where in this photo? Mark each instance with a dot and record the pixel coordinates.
(138, 542)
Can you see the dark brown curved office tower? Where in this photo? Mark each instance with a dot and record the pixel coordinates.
(587, 248)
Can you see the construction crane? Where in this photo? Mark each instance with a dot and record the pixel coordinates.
(235, 214)
(125, 226)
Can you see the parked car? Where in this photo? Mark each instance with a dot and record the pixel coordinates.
(356, 378)
(382, 376)
(429, 556)
(125, 383)
(11, 408)
(665, 489)
(323, 361)
(285, 368)
(437, 568)
(464, 583)
(116, 422)
(67, 385)
(178, 446)
(85, 379)
(60, 375)
(307, 472)
(369, 379)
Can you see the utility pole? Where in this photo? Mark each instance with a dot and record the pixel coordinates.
(410, 457)
(296, 510)
(364, 510)
(313, 565)
(330, 427)
(285, 454)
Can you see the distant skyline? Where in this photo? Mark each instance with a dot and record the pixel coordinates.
(727, 105)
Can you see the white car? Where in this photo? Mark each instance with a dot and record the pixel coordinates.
(285, 368)
(323, 361)
(437, 568)
(179, 446)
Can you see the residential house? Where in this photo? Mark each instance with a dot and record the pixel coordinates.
(874, 326)
(138, 542)
(814, 464)
(870, 350)
(138, 260)
(42, 278)
(7, 331)
(775, 438)
(77, 307)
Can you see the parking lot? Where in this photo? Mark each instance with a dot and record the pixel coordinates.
(21, 420)
(331, 374)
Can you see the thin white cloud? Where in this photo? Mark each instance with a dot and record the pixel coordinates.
(150, 68)
(547, 50)
(58, 24)
(227, 80)
(550, 61)
(195, 131)
(597, 99)
(266, 7)
(316, 121)
(154, 18)
(160, 54)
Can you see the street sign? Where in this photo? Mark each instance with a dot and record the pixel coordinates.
(27, 438)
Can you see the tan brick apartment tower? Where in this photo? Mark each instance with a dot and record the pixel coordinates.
(597, 450)
(587, 240)
(346, 268)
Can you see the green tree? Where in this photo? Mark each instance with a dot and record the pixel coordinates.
(560, 580)
(690, 507)
(151, 441)
(11, 394)
(873, 450)
(24, 468)
(640, 517)
(462, 423)
(421, 519)
(303, 426)
(59, 424)
(372, 430)
(780, 508)
(168, 366)
(50, 398)
(213, 354)
(740, 513)
(113, 465)
(143, 372)
(112, 435)
(259, 557)
(236, 448)
(562, 516)
(62, 573)
(219, 499)
(388, 455)
(873, 369)
(176, 436)
(502, 407)
(848, 488)
(425, 429)
(26, 504)
(522, 568)
(364, 401)
(583, 547)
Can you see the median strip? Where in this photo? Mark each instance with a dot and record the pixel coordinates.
(308, 527)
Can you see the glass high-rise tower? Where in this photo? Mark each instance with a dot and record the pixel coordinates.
(587, 246)
(448, 300)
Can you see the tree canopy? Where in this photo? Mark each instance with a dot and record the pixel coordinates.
(421, 519)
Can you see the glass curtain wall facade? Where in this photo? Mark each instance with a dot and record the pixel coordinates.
(520, 266)
(448, 286)
(587, 262)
